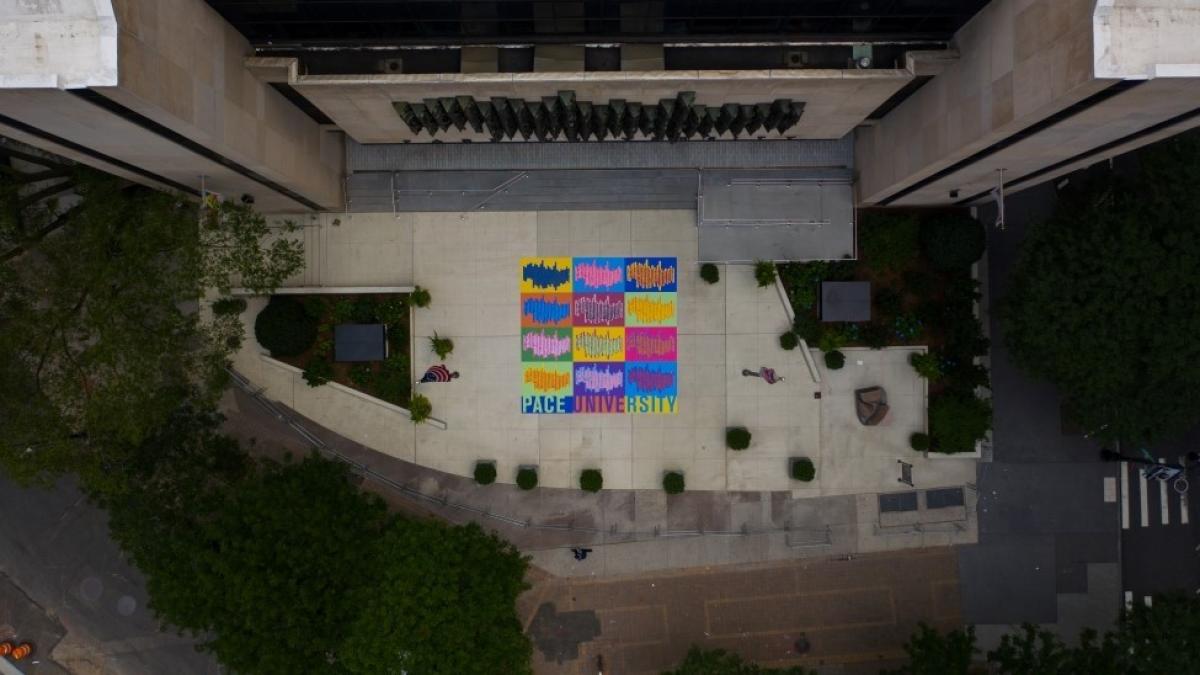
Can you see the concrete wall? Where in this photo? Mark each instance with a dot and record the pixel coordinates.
(836, 100)
(1021, 62)
(178, 63)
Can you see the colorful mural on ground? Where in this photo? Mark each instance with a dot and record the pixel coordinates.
(598, 335)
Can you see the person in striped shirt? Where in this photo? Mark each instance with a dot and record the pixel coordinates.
(438, 373)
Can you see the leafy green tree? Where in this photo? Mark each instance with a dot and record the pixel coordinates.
(98, 308)
(267, 571)
(720, 662)
(932, 653)
(1146, 640)
(1104, 296)
(444, 603)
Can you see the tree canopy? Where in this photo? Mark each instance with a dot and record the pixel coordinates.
(720, 662)
(289, 568)
(1104, 296)
(1146, 640)
(99, 280)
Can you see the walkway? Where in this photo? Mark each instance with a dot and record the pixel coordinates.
(855, 614)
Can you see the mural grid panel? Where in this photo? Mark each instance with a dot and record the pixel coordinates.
(599, 335)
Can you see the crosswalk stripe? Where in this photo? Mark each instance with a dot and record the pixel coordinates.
(1143, 499)
(1128, 599)
(1148, 600)
(1183, 503)
(1164, 505)
(1124, 495)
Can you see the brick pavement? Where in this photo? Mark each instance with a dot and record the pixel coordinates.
(856, 614)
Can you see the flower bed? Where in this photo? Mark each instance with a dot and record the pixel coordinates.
(922, 293)
(389, 379)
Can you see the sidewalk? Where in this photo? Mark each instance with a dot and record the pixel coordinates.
(630, 531)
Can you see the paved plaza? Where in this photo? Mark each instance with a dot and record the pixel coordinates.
(470, 263)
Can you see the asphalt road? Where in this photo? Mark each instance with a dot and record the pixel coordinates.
(62, 577)
(1066, 539)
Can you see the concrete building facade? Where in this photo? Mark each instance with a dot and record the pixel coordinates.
(184, 94)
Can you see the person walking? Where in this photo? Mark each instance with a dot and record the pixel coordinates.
(767, 374)
(438, 373)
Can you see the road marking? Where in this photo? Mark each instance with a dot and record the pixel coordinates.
(1183, 504)
(1124, 495)
(1148, 601)
(1164, 505)
(1110, 489)
(1143, 498)
(1128, 600)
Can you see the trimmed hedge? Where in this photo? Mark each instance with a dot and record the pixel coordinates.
(284, 328)
(802, 469)
(485, 473)
(591, 480)
(527, 478)
(673, 482)
(737, 438)
(318, 371)
(835, 360)
(710, 273)
(789, 340)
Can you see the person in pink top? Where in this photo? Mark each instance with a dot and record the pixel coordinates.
(767, 374)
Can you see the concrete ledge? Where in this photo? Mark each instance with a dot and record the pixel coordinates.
(432, 421)
(327, 290)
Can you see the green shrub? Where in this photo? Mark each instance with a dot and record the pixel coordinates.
(957, 421)
(229, 306)
(527, 478)
(919, 441)
(591, 480)
(710, 273)
(920, 283)
(789, 341)
(318, 372)
(342, 311)
(835, 360)
(906, 327)
(315, 306)
(928, 366)
(392, 311)
(875, 335)
(485, 473)
(419, 297)
(284, 328)
(802, 469)
(673, 482)
(764, 273)
(441, 346)
(808, 327)
(393, 382)
(833, 337)
(419, 408)
(953, 242)
(362, 375)
(737, 438)
(888, 241)
(888, 302)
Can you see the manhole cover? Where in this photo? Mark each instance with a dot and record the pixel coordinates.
(91, 588)
(127, 605)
